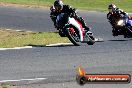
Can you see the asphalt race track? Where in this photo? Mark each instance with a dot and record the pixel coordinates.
(58, 64)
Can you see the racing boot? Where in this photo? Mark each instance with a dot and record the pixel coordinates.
(88, 33)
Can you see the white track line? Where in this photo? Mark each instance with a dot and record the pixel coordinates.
(16, 48)
(8, 29)
(19, 30)
(35, 79)
(99, 40)
(59, 44)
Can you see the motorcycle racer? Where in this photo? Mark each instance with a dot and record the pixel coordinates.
(58, 8)
(114, 15)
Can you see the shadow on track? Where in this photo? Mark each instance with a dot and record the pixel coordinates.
(50, 46)
(71, 45)
(127, 39)
(118, 40)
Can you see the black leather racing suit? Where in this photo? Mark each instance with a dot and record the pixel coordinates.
(114, 16)
(66, 9)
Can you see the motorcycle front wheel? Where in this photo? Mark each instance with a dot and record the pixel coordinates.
(73, 35)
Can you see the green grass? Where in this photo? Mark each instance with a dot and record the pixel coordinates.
(98, 5)
(17, 39)
(3, 85)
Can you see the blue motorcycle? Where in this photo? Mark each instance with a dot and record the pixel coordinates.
(124, 27)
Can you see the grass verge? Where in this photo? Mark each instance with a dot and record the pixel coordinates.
(7, 86)
(12, 38)
(98, 5)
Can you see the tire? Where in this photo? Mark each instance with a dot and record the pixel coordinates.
(71, 38)
(129, 29)
(91, 40)
(128, 33)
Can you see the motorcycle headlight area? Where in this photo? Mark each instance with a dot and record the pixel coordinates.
(120, 23)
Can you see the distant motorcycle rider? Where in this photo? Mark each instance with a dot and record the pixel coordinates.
(114, 15)
(58, 8)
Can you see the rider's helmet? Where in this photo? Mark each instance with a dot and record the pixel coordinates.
(58, 4)
(112, 8)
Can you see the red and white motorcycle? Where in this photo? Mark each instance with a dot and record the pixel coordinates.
(71, 28)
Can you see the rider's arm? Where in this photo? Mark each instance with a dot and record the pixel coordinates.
(52, 9)
(120, 11)
(109, 17)
(53, 15)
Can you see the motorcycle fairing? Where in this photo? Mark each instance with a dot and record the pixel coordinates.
(129, 22)
(78, 26)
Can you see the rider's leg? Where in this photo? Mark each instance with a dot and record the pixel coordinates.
(80, 19)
